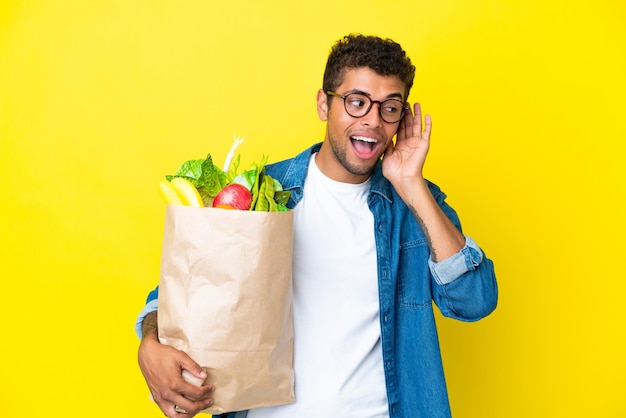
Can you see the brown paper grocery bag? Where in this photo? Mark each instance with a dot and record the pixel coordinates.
(225, 299)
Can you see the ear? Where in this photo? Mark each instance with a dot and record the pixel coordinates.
(322, 105)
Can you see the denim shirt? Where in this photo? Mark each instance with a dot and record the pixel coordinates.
(463, 287)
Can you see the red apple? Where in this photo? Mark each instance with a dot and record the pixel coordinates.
(234, 195)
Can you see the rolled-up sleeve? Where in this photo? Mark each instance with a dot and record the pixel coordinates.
(450, 269)
(151, 305)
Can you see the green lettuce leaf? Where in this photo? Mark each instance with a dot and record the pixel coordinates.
(208, 178)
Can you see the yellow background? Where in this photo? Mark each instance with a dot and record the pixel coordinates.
(100, 99)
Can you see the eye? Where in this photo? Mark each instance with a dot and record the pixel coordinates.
(392, 106)
(357, 101)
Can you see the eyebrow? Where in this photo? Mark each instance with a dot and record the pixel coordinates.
(390, 96)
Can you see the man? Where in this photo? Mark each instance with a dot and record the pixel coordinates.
(374, 245)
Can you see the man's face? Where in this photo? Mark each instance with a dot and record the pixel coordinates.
(353, 145)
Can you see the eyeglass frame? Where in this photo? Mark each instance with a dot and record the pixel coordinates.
(405, 106)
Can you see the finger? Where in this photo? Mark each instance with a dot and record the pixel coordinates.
(404, 129)
(389, 149)
(194, 398)
(417, 120)
(186, 363)
(170, 410)
(428, 124)
(194, 377)
(200, 389)
(180, 410)
(186, 406)
(183, 403)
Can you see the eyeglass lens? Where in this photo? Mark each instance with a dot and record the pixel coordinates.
(358, 105)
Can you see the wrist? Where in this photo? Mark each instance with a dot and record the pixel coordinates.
(413, 190)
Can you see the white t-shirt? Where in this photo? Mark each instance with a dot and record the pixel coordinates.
(337, 348)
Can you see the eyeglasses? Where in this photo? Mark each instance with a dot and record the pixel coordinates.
(358, 105)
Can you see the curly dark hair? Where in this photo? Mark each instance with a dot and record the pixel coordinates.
(384, 56)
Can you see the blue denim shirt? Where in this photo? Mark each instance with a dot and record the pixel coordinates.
(463, 287)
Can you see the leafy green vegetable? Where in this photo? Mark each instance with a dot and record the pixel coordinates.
(212, 180)
(261, 203)
(258, 182)
(208, 178)
(247, 178)
(269, 194)
(191, 169)
(282, 197)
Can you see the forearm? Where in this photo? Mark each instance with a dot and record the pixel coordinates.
(149, 326)
(442, 236)
(151, 306)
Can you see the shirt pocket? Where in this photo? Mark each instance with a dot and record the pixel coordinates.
(414, 275)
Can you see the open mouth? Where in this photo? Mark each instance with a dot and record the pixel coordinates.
(364, 147)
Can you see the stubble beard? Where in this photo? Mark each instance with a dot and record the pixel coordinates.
(341, 155)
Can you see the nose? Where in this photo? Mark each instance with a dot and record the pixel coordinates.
(372, 117)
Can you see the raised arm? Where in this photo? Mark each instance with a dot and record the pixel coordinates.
(403, 164)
